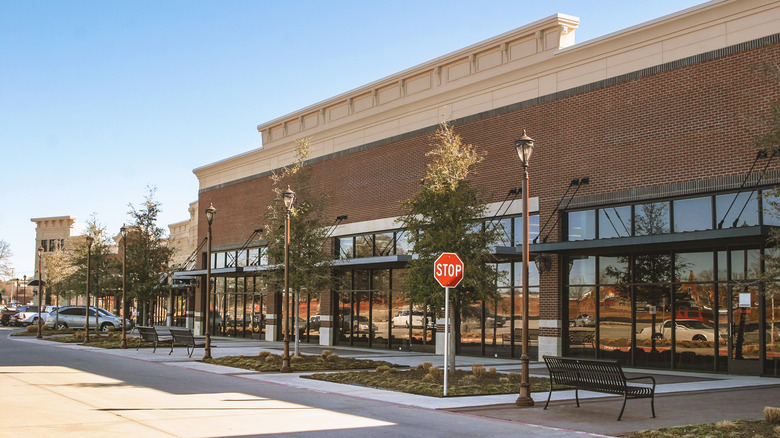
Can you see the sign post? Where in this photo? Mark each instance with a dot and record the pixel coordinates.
(448, 271)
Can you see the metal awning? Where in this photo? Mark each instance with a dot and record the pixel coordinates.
(754, 235)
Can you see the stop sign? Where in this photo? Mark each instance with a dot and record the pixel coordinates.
(448, 269)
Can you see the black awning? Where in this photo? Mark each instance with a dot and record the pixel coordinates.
(693, 239)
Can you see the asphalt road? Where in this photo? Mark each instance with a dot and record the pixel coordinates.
(54, 390)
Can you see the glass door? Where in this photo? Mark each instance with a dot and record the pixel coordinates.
(744, 331)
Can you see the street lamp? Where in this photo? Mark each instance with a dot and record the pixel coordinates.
(210, 212)
(288, 196)
(40, 291)
(525, 146)
(89, 269)
(123, 232)
(24, 289)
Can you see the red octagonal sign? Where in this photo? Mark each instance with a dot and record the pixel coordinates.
(448, 269)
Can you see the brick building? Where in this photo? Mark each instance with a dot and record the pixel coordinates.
(644, 189)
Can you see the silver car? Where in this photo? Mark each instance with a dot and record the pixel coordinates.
(73, 317)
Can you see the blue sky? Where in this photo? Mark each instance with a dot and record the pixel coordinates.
(100, 99)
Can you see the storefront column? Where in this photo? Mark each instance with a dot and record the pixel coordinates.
(327, 326)
(550, 299)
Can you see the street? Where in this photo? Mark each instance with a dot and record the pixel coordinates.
(69, 390)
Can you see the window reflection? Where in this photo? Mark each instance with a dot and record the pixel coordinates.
(692, 214)
(737, 210)
(582, 270)
(615, 222)
(582, 225)
(651, 218)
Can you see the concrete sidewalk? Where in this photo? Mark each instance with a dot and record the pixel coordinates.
(682, 397)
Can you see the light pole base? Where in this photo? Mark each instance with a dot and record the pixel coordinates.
(524, 400)
(207, 347)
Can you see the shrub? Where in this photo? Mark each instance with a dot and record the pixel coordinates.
(270, 359)
(772, 415)
(32, 328)
(492, 371)
(294, 359)
(425, 366)
(428, 378)
(333, 357)
(725, 424)
(326, 353)
(503, 380)
(434, 372)
(469, 379)
(515, 377)
(264, 353)
(478, 370)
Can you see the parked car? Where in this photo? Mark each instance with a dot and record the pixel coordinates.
(27, 315)
(7, 313)
(401, 319)
(705, 317)
(361, 324)
(73, 317)
(582, 320)
(686, 330)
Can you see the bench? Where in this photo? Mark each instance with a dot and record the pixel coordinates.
(597, 375)
(184, 336)
(151, 334)
(506, 338)
(582, 337)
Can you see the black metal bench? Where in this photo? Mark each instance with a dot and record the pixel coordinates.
(506, 338)
(152, 335)
(596, 375)
(186, 337)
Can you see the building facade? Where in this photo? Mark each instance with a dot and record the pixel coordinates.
(648, 192)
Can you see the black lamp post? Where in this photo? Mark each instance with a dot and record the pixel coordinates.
(525, 146)
(40, 291)
(210, 212)
(288, 196)
(123, 232)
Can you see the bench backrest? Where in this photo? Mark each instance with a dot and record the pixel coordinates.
(147, 333)
(182, 335)
(593, 374)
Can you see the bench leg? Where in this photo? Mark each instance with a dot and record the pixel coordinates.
(155, 347)
(140, 340)
(623, 408)
(548, 396)
(652, 404)
(169, 353)
(577, 395)
(190, 351)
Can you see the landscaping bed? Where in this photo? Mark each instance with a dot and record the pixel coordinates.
(724, 429)
(428, 380)
(267, 361)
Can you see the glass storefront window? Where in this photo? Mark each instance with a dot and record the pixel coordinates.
(615, 222)
(504, 274)
(533, 275)
(582, 225)
(253, 257)
(402, 245)
(651, 219)
(582, 321)
(613, 270)
(692, 214)
(504, 230)
(745, 264)
(729, 208)
(771, 206)
(346, 247)
(653, 326)
(653, 268)
(582, 270)
(384, 244)
(533, 229)
(364, 246)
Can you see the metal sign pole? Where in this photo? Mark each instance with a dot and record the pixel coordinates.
(446, 338)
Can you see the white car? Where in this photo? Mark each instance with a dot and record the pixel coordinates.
(401, 319)
(686, 330)
(28, 315)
